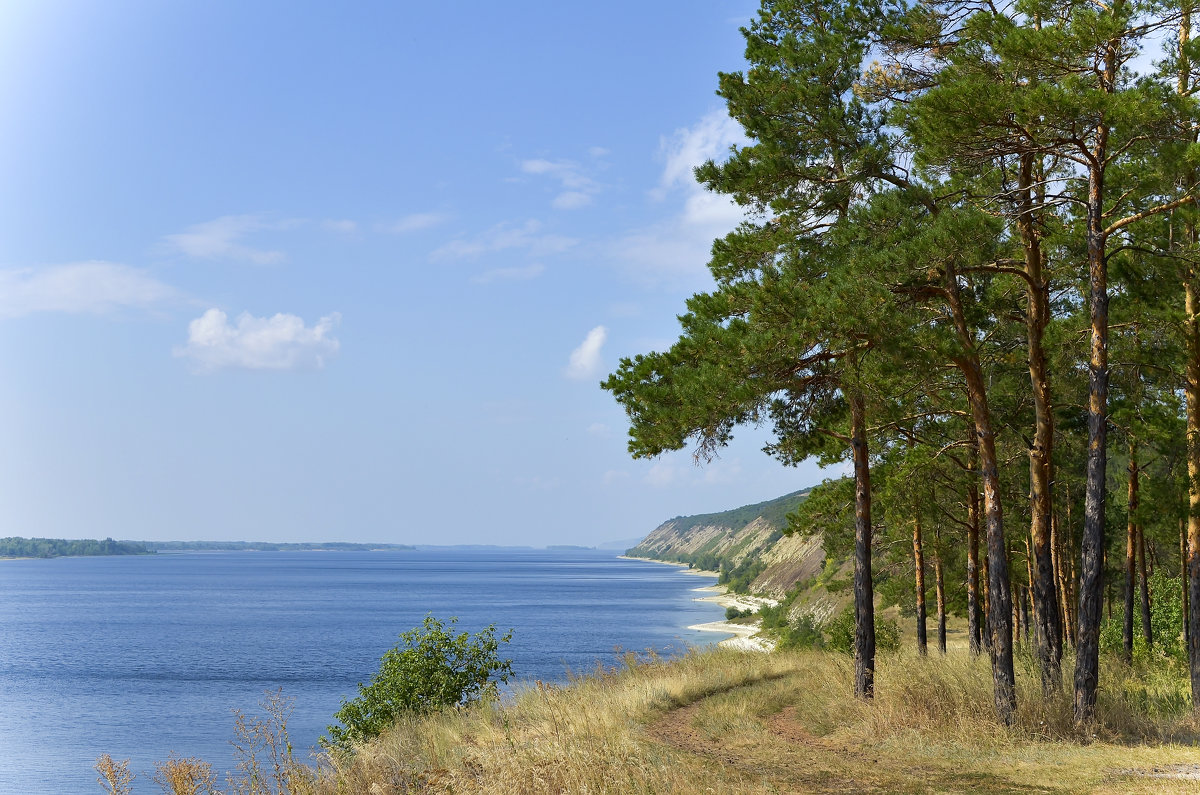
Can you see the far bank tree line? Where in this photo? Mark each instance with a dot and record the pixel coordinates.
(971, 269)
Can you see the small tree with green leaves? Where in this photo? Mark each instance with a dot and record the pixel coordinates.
(430, 669)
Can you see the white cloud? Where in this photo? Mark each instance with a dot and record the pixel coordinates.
(598, 151)
(510, 274)
(688, 147)
(280, 342)
(612, 476)
(564, 171)
(79, 288)
(599, 429)
(221, 239)
(415, 223)
(504, 237)
(571, 200)
(676, 250)
(584, 361)
(578, 188)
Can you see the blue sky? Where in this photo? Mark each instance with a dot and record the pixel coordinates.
(300, 271)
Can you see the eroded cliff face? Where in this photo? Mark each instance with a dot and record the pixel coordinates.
(789, 560)
(674, 538)
(737, 537)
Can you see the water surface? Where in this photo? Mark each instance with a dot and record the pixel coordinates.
(142, 656)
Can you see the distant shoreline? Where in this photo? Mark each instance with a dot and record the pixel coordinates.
(744, 637)
(20, 548)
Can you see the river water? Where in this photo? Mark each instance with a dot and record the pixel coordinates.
(140, 657)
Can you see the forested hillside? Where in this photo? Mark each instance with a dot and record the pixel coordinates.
(746, 545)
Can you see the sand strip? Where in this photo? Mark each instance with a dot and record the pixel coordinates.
(745, 637)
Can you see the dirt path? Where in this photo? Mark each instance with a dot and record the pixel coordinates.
(787, 757)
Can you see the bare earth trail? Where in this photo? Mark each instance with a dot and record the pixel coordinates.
(778, 753)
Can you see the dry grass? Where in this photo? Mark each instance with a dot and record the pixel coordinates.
(586, 737)
(728, 722)
(731, 722)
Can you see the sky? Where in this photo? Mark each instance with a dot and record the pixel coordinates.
(307, 271)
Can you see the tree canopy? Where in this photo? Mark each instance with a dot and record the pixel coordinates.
(970, 241)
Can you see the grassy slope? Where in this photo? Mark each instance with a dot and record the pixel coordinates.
(739, 723)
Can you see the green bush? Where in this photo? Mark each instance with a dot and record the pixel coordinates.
(738, 578)
(429, 669)
(805, 633)
(1166, 615)
(839, 633)
(732, 612)
(1166, 624)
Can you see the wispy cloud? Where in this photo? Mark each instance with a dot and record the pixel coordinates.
(577, 188)
(688, 147)
(280, 342)
(506, 236)
(664, 473)
(222, 238)
(415, 223)
(676, 250)
(584, 361)
(518, 274)
(79, 288)
(571, 200)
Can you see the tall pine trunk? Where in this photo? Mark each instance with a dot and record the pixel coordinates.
(919, 577)
(1190, 568)
(1060, 573)
(1091, 562)
(864, 595)
(999, 595)
(973, 610)
(1192, 390)
(1048, 630)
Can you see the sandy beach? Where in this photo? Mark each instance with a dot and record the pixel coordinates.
(744, 637)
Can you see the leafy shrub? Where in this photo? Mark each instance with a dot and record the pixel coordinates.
(428, 670)
(773, 616)
(1166, 615)
(732, 612)
(805, 633)
(738, 578)
(1166, 624)
(839, 633)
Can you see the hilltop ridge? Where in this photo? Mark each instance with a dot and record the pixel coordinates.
(745, 543)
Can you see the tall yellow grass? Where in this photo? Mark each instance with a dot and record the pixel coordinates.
(768, 723)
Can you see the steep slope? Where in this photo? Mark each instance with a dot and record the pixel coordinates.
(746, 541)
